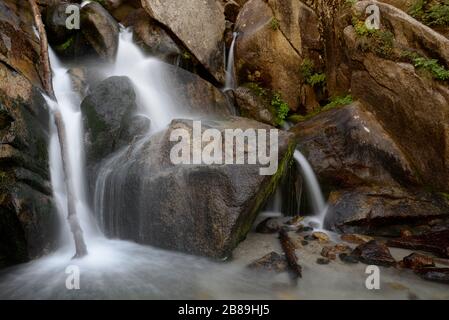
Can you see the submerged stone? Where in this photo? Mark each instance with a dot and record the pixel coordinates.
(374, 252)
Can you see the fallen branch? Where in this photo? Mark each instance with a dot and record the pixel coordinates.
(289, 250)
(80, 245)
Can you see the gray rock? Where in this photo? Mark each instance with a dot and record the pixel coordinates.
(199, 24)
(200, 209)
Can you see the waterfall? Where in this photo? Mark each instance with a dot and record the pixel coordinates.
(313, 189)
(230, 74)
(68, 104)
(150, 81)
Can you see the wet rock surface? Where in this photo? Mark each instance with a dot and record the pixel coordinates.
(434, 274)
(374, 252)
(435, 242)
(199, 209)
(417, 261)
(273, 261)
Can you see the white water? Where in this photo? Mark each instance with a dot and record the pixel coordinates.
(230, 72)
(313, 189)
(68, 104)
(150, 81)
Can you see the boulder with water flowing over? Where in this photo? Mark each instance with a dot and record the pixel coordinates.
(109, 113)
(348, 147)
(198, 24)
(200, 209)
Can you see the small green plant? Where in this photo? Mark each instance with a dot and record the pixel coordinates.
(337, 102)
(281, 108)
(351, 2)
(311, 77)
(360, 28)
(274, 24)
(186, 55)
(435, 13)
(436, 70)
(257, 89)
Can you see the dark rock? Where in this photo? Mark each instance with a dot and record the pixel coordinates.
(309, 237)
(434, 274)
(348, 258)
(348, 147)
(374, 252)
(107, 113)
(231, 10)
(269, 225)
(101, 30)
(322, 261)
(55, 23)
(270, 262)
(199, 209)
(382, 211)
(28, 220)
(304, 242)
(331, 252)
(417, 261)
(435, 242)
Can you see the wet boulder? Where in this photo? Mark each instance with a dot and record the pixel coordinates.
(101, 30)
(198, 24)
(108, 112)
(254, 106)
(374, 252)
(272, 261)
(378, 210)
(204, 209)
(347, 147)
(417, 261)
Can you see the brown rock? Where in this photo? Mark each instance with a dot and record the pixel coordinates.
(435, 242)
(270, 262)
(417, 261)
(253, 106)
(356, 238)
(321, 236)
(374, 252)
(263, 49)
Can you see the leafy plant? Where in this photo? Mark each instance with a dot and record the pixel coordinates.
(311, 77)
(274, 24)
(338, 101)
(257, 89)
(432, 66)
(435, 13)
(281, 108)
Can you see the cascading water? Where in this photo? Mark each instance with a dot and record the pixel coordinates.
(313, 189)
(230, 74)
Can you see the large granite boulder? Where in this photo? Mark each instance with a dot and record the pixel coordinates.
(141, 195)
(198, 24)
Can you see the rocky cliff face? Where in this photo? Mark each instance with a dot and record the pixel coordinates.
(28, 221)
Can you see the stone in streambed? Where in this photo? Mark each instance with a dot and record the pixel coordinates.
(322, 261)
(417, 261)
(355, 238)
(273, 261)
(269, 225)
(348, 258)
(434, 274)
(374, 252)
(435, 242)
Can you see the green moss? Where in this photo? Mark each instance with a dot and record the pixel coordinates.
(186, 55)
(335, 102)
(64, 46)
(274, 24)
(432, 66)
(281, 108)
